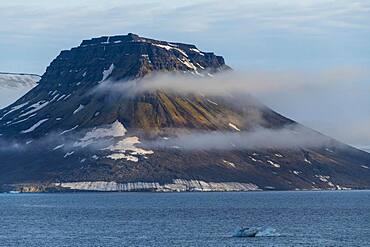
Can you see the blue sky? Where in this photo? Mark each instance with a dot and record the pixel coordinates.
(262, 35)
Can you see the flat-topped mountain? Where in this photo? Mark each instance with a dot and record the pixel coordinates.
(66, 134)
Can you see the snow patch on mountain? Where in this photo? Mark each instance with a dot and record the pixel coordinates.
(107, 73)
(116, 129)
(253, 159)
(296, 172)
(68, 154)
(14, 108)
(79, 108)
(58, 147)
(167, 47)
(23, 120)
(325, 179)
(35, 107)
(128, 145)
(234, 126)
(273, 164)
(61, 97)
(35, 126)
(212, 102)
(229, 163)
(123, 147)
(68, 130)
(187, 63)
(120, 156)
(54, 97)
(197, 51)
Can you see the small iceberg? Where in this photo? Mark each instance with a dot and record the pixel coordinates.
(250, 232)
(246, 232)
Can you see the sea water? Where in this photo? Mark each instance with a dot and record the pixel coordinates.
(331, 218)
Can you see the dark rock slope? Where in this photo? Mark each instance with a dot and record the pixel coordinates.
(62, 135)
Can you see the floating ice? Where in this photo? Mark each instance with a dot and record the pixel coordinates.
(256, 232)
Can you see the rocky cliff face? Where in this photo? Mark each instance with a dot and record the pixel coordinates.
(64, 86)
(63, 134)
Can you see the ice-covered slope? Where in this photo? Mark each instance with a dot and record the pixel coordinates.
(14, 86)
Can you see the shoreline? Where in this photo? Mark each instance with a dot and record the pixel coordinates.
(71, 191)
(172, 192)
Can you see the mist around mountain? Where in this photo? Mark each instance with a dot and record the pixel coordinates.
(128, 113)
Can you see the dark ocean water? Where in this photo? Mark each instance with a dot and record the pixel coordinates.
(337, 218)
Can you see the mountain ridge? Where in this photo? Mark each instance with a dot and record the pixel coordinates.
(18, 73)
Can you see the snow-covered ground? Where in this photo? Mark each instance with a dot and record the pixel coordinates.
(124, 148)
(13, 86)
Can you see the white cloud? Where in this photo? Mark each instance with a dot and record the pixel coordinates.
(289, 137)
(192, 16)
(250, 82)
(264, 34)
(335, 102)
